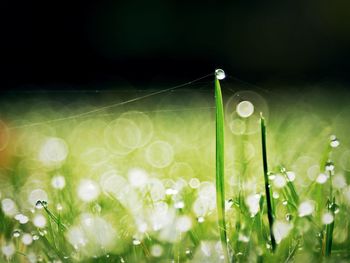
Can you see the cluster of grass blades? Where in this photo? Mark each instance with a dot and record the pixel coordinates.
(289, 192)
(139, 199)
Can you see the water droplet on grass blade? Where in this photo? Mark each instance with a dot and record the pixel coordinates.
(220, 74)
(336, 208)
(200, 219)
(179, 205)
(36, 196)
(59, 207)
(329, 166)
(136, 242)
(40, 204)
(189, 253)
(272, 176)
(334, 141)
(289, 217)
(16, 233)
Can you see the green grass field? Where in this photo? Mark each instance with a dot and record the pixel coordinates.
(166, 176)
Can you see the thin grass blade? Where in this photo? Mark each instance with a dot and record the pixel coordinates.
(220, 181)
(267, 184)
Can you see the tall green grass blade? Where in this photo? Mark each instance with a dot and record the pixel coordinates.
(329, 230)
(331, 206)
(220, 182)
(267, 184)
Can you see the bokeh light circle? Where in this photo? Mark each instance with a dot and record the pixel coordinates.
(243, 112)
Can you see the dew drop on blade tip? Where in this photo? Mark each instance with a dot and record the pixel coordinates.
(220, 74)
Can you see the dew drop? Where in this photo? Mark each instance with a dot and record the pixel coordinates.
(40, 204)
(42, 233)
(243, 238)
(136, 242)
(285, 202)
(97, 208)
(59, 207)
(272, 176)
(200, 219)
(220, 74)
(289, 217)
(334, 141)
(329, 166)
(16, 233)
(336, 209)
(179, 205)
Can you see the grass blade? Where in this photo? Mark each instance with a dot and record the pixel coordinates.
(329, 230)
(267, 184)
(331, 205)
(220, 182)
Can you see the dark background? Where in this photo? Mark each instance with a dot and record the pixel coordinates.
(88, 43)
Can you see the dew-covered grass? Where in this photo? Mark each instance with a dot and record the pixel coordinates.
(87, 177)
